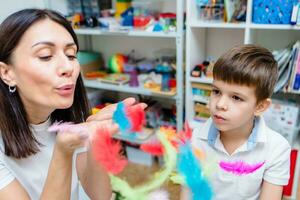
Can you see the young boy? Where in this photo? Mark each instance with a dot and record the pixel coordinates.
(236, 133)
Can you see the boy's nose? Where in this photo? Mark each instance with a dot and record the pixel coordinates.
(222, 104)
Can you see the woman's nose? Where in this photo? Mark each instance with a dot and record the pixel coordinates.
(65, 66)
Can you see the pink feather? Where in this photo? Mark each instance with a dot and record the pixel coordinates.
(106, 152)
(185, 135)
(240, 167)
(136, 116)
(69, 127)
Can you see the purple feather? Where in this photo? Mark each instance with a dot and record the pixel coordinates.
(240, 167)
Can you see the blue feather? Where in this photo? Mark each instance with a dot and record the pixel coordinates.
(121, 119)
(190, 168)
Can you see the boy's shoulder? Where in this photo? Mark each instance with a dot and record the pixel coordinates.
(273, 138)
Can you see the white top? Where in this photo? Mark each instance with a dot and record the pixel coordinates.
(263, 145)
(32, 172)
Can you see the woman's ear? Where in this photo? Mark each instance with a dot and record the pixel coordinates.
(7, 74)
(262, 106)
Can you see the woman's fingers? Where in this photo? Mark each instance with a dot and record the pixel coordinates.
(69, 141)
(106, 113)
(129, 101)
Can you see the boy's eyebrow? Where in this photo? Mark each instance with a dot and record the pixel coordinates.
(239, 94)
(235, 93)
(214, 85)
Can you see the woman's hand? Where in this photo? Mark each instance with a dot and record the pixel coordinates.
(67, 142)
(106, 113)
(103, 118)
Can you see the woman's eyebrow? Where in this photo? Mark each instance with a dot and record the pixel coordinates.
(71, 44)
(43, 43)
(52, 44)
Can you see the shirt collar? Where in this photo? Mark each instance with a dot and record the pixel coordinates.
(211, 133)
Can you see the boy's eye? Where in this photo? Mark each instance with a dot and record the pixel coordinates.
(236, 98)
(45, 58)
(215, 91)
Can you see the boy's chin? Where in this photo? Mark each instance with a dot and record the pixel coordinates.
(221, 127)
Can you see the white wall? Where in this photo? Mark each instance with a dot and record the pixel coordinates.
(10, 6)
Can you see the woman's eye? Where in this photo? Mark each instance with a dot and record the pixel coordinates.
(236, 98)
(71, 57)
(45, 58)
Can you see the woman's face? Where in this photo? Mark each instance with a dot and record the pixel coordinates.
(45, 67)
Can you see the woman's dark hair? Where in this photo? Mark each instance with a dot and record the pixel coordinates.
(18, 139)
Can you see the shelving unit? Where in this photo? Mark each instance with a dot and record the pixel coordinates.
(95, 38)
(125, 88)
(210, 39)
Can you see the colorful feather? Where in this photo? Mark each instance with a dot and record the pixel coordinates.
(177, 179)
(240, 167)
(63, 127)
(158, 195)
(141, 192)
(120, 118)
(136, 116)
(129, 119)
(190, 168)
(186, 134)
(67, 127)
(155, 149)
(106, 152)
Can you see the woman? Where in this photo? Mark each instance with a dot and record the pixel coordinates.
(41, 83)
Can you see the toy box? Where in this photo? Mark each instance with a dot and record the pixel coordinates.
(90, 61)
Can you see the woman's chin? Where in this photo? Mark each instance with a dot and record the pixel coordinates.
(65, 105)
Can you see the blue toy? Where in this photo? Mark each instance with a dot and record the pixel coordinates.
(272, 12)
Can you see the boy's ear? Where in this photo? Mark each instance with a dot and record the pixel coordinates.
(262, 106)
(7, 74)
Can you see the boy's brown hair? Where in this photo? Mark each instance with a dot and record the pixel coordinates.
(249, 65)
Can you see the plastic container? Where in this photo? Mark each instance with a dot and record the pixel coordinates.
(272, 12)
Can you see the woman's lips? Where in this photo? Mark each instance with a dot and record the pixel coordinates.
(65, 90)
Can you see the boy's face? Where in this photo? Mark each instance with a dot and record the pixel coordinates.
(233, 106)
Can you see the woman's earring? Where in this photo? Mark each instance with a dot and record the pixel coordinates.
(12, 89)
